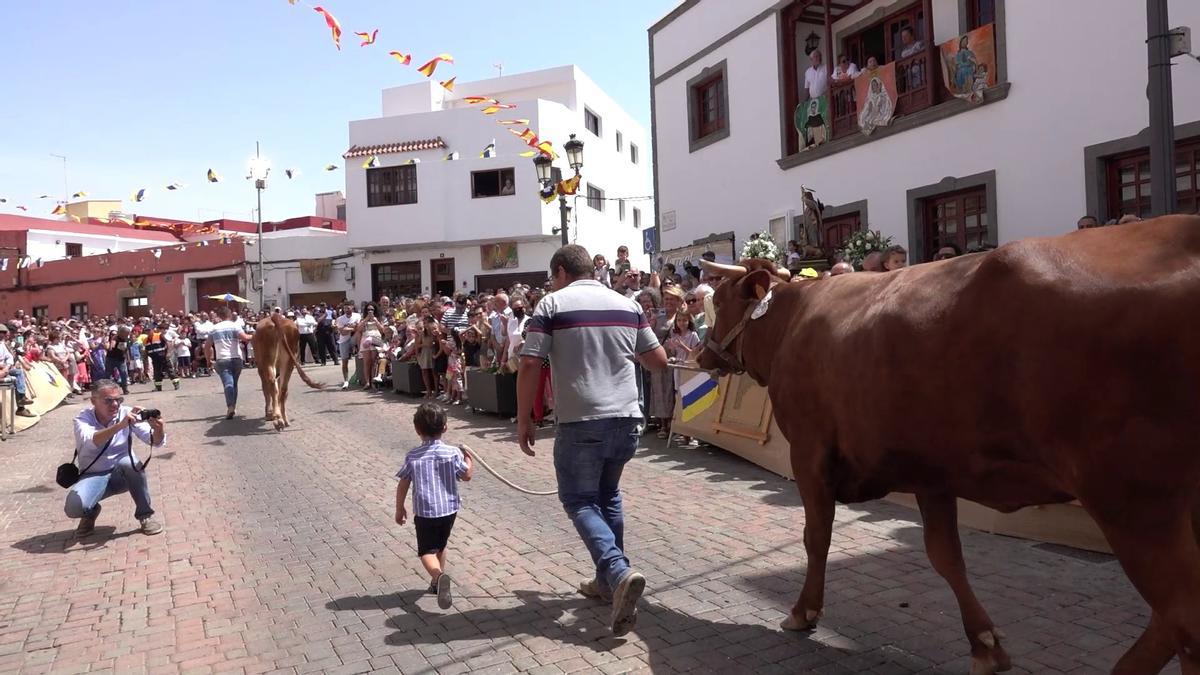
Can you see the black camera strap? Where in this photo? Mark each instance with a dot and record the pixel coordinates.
(94, 460)
(130, 451)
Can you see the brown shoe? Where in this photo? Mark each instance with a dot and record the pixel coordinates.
(151, 526)
(87, 523)
(591, 589)
(624, 611)
(25, 412)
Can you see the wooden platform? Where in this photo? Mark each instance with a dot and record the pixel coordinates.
(741, 421)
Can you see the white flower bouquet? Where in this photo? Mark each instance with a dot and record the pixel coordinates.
(764, 247)
(862, 243)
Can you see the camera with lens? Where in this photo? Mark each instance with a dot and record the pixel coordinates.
(149, 413)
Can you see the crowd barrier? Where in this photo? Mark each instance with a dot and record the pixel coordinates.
(741, 421)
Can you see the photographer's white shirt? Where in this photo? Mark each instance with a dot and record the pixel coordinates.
(86, 426)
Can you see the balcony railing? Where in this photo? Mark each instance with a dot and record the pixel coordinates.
(916, 81)
(844, 108)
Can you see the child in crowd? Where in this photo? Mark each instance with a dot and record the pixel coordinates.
(894, 258)
(183, 357)
(136, 374)
(431, 470)
(454, 373)
(683, 343)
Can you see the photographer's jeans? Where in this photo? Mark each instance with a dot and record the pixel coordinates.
(589, 457)
(93, 488)
(229, 370)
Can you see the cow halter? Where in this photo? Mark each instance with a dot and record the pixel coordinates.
(721, 349)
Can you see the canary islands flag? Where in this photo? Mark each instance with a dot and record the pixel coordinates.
(697, 393)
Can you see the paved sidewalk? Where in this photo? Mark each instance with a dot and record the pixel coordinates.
(280, 554)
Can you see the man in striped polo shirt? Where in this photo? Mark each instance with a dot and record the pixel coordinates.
(591, 336)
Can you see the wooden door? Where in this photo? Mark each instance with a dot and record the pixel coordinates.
(441, 275)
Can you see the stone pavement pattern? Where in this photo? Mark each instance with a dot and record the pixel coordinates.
(280, 554)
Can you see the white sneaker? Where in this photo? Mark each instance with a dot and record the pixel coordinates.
(345, 385)
(378, 378)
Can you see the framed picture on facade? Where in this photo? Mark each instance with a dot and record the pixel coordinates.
(499, 256)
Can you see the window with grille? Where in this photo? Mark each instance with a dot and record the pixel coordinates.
(74, 250)
(41, 312)
(709, 106)
(959, 218)
(79, 309)
(592, 121)
(393, 185)
(633, 153)
(621, 210)
(637, 218)
(595, 197)
(620, 142)
(1129, 190)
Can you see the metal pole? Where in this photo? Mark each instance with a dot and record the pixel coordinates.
(262, 283)
(1163, 198)
(66, 191)
(562, 215)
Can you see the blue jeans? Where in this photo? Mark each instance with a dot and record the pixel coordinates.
(120, 368)
(589, 457)
(18, 376)
(93, 488)
(229, 370)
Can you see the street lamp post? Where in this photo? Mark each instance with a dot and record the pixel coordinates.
(260, 168)
(545, 173)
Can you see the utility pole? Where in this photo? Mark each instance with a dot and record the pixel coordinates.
(1163, 198)
(499, 69)
(66, 192)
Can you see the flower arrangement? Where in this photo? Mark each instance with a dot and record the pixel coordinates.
(861, 243)
(762, 246)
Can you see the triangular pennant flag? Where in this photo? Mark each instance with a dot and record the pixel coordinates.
(140, 195)
(331, 167)
(23, 262)
(335, 28)
(291, 173)
(490, 150)
(414, 160)
(3, 200)
(3, 264)
(451, 157)
(547, 148)
(531, 153)
(404, 59)
(213, 177)
(39, 263)
(158, 253)
(368, 38)
(59, 210)
(182, 247)
(43, 196)
(569, 186)
(225, 240)
(513, 122)
(371, 162)
(448, 85)
(428, 69)
(176, 186)
(472, 100)
(79, 194)
(23, 208)
(204, 243)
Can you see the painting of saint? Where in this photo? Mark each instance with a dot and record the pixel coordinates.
(969, 63)
(812, 122)
(875, 91)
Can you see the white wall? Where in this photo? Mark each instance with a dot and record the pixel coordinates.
(1034, 139)
(281, 267)
(49, 245)
(328, 203)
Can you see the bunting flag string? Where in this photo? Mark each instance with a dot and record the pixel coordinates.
(448, 85)
(404, 59)
(368, 38)
(335, 28)
(428, 69)
(213, 177)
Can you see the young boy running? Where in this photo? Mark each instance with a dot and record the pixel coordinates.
(432, 469)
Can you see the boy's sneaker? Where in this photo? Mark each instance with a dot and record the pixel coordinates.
(624, 612)
(25, 412)
(591, 589)
(87, 523)
(151, 526)
(445, 599)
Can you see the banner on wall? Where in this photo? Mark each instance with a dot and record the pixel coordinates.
(969, 63)
(813, 122)
(499, 256)
(875, 91)
(722, 248)
(315, 270)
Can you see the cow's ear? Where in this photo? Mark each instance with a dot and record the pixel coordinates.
(756, 284)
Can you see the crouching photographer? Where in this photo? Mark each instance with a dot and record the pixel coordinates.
(105, 463)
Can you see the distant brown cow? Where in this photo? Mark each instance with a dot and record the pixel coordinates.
(275, 341)
(1044, 371)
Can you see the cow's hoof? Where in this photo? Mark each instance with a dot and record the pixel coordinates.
(279, 425)
(795, 623)
(988, 657)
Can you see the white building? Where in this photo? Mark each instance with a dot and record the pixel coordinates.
(46, 240)
(1061, 134)
(440, 226)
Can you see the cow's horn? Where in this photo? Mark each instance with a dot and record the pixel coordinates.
(725, 271)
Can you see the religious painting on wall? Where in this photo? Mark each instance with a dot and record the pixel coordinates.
(969, 63)
(813, 122)
(875, 91)
(500, 256)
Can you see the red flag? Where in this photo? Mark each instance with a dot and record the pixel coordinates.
(404, 59)
(547, 148)
(449, 84)
(428, 68)
(334, 27)
(472, 100)
(368, 38)
(497, 107)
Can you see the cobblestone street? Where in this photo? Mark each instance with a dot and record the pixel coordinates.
(280, 554)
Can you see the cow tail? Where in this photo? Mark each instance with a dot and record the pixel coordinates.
(287, 346)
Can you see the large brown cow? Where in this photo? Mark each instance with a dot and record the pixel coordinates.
(275, 341)
(1044, 371)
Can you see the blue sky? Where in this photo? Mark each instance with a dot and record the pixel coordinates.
(146, 93)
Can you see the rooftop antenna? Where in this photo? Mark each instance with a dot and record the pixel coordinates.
(66, 192)
(499, 69)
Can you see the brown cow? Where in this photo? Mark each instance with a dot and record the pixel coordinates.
(1044, 371)
(275, 341)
